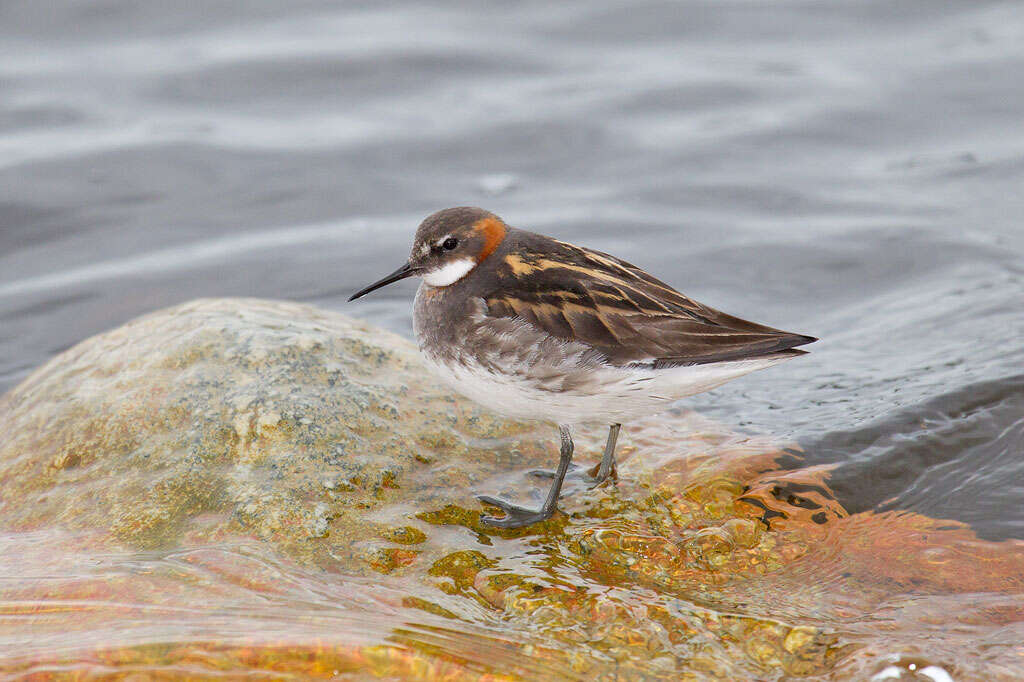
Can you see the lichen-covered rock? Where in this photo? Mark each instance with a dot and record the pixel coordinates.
(290, 488)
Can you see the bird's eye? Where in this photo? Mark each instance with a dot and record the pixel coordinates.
(450, 243)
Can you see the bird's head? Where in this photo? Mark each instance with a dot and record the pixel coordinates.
(449, 244)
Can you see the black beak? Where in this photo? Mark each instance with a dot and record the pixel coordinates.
(406, 270)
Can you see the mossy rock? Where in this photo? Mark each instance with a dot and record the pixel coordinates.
(322, 441)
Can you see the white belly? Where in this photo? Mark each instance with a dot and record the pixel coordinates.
(616, 395)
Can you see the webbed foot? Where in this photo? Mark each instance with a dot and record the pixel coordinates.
(515, 516)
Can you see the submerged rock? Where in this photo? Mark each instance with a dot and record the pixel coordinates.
(211, 442)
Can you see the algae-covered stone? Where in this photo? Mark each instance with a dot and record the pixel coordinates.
(321, 446)
(269, 419)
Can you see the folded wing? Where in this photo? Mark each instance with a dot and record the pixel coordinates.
(621, 311)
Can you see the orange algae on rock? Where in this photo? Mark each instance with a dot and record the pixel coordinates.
(233, 486)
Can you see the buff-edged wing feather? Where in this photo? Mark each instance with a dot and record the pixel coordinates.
(618, 309)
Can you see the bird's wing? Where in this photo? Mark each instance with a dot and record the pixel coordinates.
(618, 309)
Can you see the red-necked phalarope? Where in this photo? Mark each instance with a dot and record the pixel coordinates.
(536, 328)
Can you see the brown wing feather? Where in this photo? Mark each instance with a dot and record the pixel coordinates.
(618, 309)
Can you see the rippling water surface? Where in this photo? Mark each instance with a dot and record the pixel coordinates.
(851, 170)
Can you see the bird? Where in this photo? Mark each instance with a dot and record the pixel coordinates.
(539, 329)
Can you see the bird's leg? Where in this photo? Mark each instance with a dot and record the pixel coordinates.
(598, 474)
(607, 467)
(516, 516)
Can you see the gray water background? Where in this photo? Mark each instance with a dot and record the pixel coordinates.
(848, 169)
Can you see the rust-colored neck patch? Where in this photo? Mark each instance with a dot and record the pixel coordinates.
(493, 231)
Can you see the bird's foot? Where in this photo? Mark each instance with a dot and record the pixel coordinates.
(589, 477)
(515, 516)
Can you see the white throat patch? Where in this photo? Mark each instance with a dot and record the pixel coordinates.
(450, 273)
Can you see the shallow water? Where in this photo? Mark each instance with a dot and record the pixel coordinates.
(850, 170)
